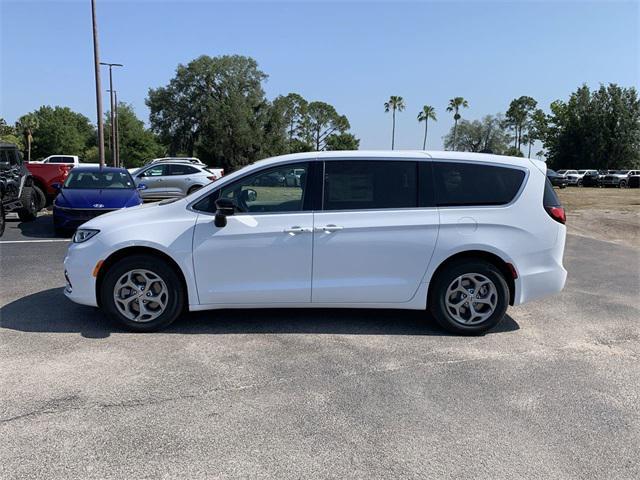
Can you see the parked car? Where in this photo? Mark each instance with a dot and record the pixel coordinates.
(363, 230)
(217, 172)
(634, 179)
(64, 159)
(89, 192)
(570, 175)
(592, 178)
(45, 175)
(581, 175)
(172, 179)
(16, 186)
(556, 180)
(616, 178)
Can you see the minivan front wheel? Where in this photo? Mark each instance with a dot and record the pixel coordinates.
(469, 297)
(142, 293)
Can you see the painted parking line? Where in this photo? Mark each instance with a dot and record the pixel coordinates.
(36, 241)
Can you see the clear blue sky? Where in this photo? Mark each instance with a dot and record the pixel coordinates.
(352, 55)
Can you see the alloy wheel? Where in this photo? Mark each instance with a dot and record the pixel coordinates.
(471, 299)
(141, 295)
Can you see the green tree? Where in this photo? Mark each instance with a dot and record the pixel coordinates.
(214, 107)
(395, 103)
(486, 135)
(61, 131)
(137, 144)
(599, 129)
(342, 141)
(455, 104)
(321, 121)
(26, 125)
(427, 113)
(518, 117)
(536, 129)
(293, 108)
(8, 134)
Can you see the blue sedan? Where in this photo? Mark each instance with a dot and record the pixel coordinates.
(90, 191)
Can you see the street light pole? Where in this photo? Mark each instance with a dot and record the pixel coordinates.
(115, 93)
(96, 62)
(111, 112)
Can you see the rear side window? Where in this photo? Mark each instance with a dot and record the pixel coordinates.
(550, 198)
(182, 170)
(363, 184)
(469, 184)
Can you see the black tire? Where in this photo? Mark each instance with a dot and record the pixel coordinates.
(438, 290)
(622, 184)
(29, 211)
(580, 183)
(175, 292)
(41, 198)
(193, 189)
(3, 220)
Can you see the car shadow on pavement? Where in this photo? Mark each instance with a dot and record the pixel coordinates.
(41, 227)
(48, 311)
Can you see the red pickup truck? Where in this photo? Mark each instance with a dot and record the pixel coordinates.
(44, 175)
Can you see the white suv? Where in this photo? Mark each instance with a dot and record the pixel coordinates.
(461, 234)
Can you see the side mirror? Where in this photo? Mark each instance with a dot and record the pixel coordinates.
(56, 186)
(142, 186)
(252, 195)
(225, 208)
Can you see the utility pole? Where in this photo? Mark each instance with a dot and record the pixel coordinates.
(115, 93)
(111, 112)
(96, 62)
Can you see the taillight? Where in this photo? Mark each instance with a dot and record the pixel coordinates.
(557, 213)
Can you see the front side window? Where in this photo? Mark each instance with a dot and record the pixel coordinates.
(280, 189)
(468, 184)
(157, 171)
(364, 184)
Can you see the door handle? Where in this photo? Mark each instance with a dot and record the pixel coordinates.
(295, 230)
(329, 228)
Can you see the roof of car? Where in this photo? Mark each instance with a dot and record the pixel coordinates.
(81, 169)
(399, 155)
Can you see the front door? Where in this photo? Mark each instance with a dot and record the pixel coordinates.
(374, 238)
(263, 254)
(154, 178)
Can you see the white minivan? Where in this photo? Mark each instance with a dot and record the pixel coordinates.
(463, 235)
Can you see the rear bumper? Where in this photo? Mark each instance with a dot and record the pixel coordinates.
(542, 273)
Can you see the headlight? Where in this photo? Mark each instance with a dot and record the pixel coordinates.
(84, 234)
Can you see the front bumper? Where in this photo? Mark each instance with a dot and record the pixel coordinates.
(72, 218)
(78, 270)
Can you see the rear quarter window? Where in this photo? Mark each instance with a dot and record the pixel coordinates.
(469, 184)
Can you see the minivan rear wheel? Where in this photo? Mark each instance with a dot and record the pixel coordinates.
(142, 293)
(469, 297)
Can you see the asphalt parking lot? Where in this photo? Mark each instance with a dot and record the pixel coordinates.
(553, 392)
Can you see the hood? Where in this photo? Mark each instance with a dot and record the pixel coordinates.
(146, 213)
(107, 198)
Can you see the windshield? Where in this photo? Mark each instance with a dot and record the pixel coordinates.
(96, 180)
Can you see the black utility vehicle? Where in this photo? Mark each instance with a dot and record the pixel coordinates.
(16, 186)
(557, 180)
(592, 179)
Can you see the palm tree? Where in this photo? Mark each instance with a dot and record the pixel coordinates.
(427, 112)
(26, 125)
(454, 106)
(394, 103)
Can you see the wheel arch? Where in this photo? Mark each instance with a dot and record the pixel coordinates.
(506, 268)
(114, 257)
